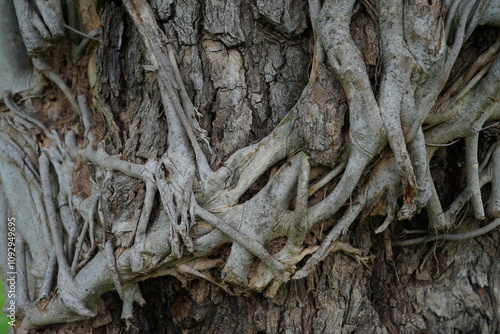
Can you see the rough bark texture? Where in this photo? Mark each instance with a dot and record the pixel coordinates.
(230, 166)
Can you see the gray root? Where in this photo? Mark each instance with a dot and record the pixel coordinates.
(190, 191)
(65, 280)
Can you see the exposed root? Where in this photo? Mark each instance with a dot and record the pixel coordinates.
(382, 182)
(189, 189)
(494, 201)
(460, 37)
(327, 178)
(174, 185)
(22, 278)
(475, 17)
(90, 36)
(188, 270)
(69, 223)
(461, 200)
(468, 80)
(32, 38)
(176, 232)
(52, 14)
(50, 275)
(435, 212)
(472, 168)
(7, 97)
(140, 235)
(334, 201)
(101, 158)
(299, 229)
(175, 99)
(111, 262)
(191, 112)
(341, 227)
(396, 86)
(86, 116)
(47, 71)
(263, 277)
(246, 165)
(81, 239)
(370, 124)
(250, 244)
(14, 152)
(392, 198)
(52, 213)
(65, 280)
(448, 236)
(237, 266)
(417, 150)
(131, 295)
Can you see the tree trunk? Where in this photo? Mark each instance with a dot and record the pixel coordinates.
(253, 167)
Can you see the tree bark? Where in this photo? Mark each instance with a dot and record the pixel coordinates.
(253, 167)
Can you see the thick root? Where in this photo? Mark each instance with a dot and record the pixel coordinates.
(472, 167)
(494, 202)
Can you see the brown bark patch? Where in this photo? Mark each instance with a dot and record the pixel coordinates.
(81, 179)
(73, 74)
(276, 245)
(88, 17)
(180, 309)
(54, 110)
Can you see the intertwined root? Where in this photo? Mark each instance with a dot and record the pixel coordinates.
(164, 241)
